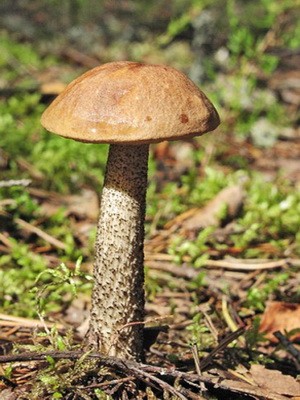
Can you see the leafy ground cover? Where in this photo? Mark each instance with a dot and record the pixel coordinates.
(222, 247)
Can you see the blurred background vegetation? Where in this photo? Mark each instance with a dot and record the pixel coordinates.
(243, 53)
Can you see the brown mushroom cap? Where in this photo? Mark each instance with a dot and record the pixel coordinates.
(133, 103)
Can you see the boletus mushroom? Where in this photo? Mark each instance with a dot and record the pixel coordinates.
(128, 105)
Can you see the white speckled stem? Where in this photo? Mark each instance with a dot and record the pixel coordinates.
(118, 294)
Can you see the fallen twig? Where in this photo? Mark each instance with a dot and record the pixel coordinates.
(113, 361)
(37, 231)
(11, 320)
(232, 264)
(108, 383)
(15, 182)
(198, 365)
(288, 345)
(226, 315)
(248, 265)
(164, 385)
(149, 373)
(4, 239)
(7, 382)
(186, 272)
(221, 346)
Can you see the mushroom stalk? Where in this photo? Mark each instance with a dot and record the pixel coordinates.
(117, 313)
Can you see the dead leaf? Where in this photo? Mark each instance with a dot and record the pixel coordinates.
(162, 151)
(83, 205)
(35, 174)
(232, 197)
(280, 316)
(275, 381)
(246, 384)
(246, 388)
(287, 83)
(8, 394)
(195, 219)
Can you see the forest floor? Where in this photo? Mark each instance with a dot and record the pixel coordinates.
(222, 251)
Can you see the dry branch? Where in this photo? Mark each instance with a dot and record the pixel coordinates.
(39, 232)
(154, 374)
(15, 182)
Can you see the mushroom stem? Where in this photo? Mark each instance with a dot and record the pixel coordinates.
(117, 313)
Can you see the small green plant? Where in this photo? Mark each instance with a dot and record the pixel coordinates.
(20, 60)
(25, 279)
(252, 336)
(199, 333)
(258, 296)
(192, 251)
(20, 203)
(17, 275)
(58, 283)
(63, 378)
(178, 24)
(271, 215)
(72, 164)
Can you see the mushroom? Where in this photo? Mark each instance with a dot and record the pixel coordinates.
(128, 105)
